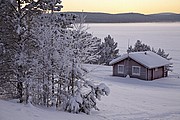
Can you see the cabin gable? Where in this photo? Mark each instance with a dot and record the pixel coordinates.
(128, 64)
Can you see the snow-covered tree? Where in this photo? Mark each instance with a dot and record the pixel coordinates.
(18, 14)
(108, 50)
(72, 46)
(8, 49)
(80, 45)
(46, 53)
(51, 33)
(87, 44)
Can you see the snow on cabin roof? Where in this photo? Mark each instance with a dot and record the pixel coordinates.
(147, 58)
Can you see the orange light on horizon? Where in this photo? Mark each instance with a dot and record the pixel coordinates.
(122, 6)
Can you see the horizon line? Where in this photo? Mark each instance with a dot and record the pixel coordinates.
(123, 12)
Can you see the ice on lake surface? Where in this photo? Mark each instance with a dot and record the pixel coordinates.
(157, 35)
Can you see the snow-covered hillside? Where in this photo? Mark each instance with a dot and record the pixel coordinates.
(130, 99)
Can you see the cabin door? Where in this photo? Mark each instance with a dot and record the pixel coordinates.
(152, 74)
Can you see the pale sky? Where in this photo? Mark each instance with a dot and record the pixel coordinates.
(122, 6)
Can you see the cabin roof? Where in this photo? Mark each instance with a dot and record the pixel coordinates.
(147, 58)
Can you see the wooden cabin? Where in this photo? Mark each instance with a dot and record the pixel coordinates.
(143, 65)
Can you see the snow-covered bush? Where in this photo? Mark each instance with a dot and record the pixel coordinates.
(85, 102)
(89, 99)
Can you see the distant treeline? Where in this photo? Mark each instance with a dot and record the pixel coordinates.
(128, 17)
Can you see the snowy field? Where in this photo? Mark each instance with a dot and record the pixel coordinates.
(130, 99)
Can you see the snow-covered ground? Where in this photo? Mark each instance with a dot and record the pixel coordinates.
(130, 99)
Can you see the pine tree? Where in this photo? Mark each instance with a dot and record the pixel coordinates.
(76, 100)
(139, 46)
(50, 31)
(46, 57)
(162, 53)
(87, 44)
(18, 14)
(108, 50)
(8, 49)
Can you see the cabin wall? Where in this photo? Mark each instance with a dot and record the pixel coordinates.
(149, 74)
(158, 72)
(115, 69)
(143, 70)
(128, 63)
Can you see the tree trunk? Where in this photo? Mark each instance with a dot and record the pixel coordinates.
(72, 82)
(27, 94)
(20, 91)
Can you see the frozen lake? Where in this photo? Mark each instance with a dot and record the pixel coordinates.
(157, 35)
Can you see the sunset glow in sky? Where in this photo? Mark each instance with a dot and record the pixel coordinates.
(122, 6)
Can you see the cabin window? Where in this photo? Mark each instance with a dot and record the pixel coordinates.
(136, 70)
(156, 69)
(120, 68)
